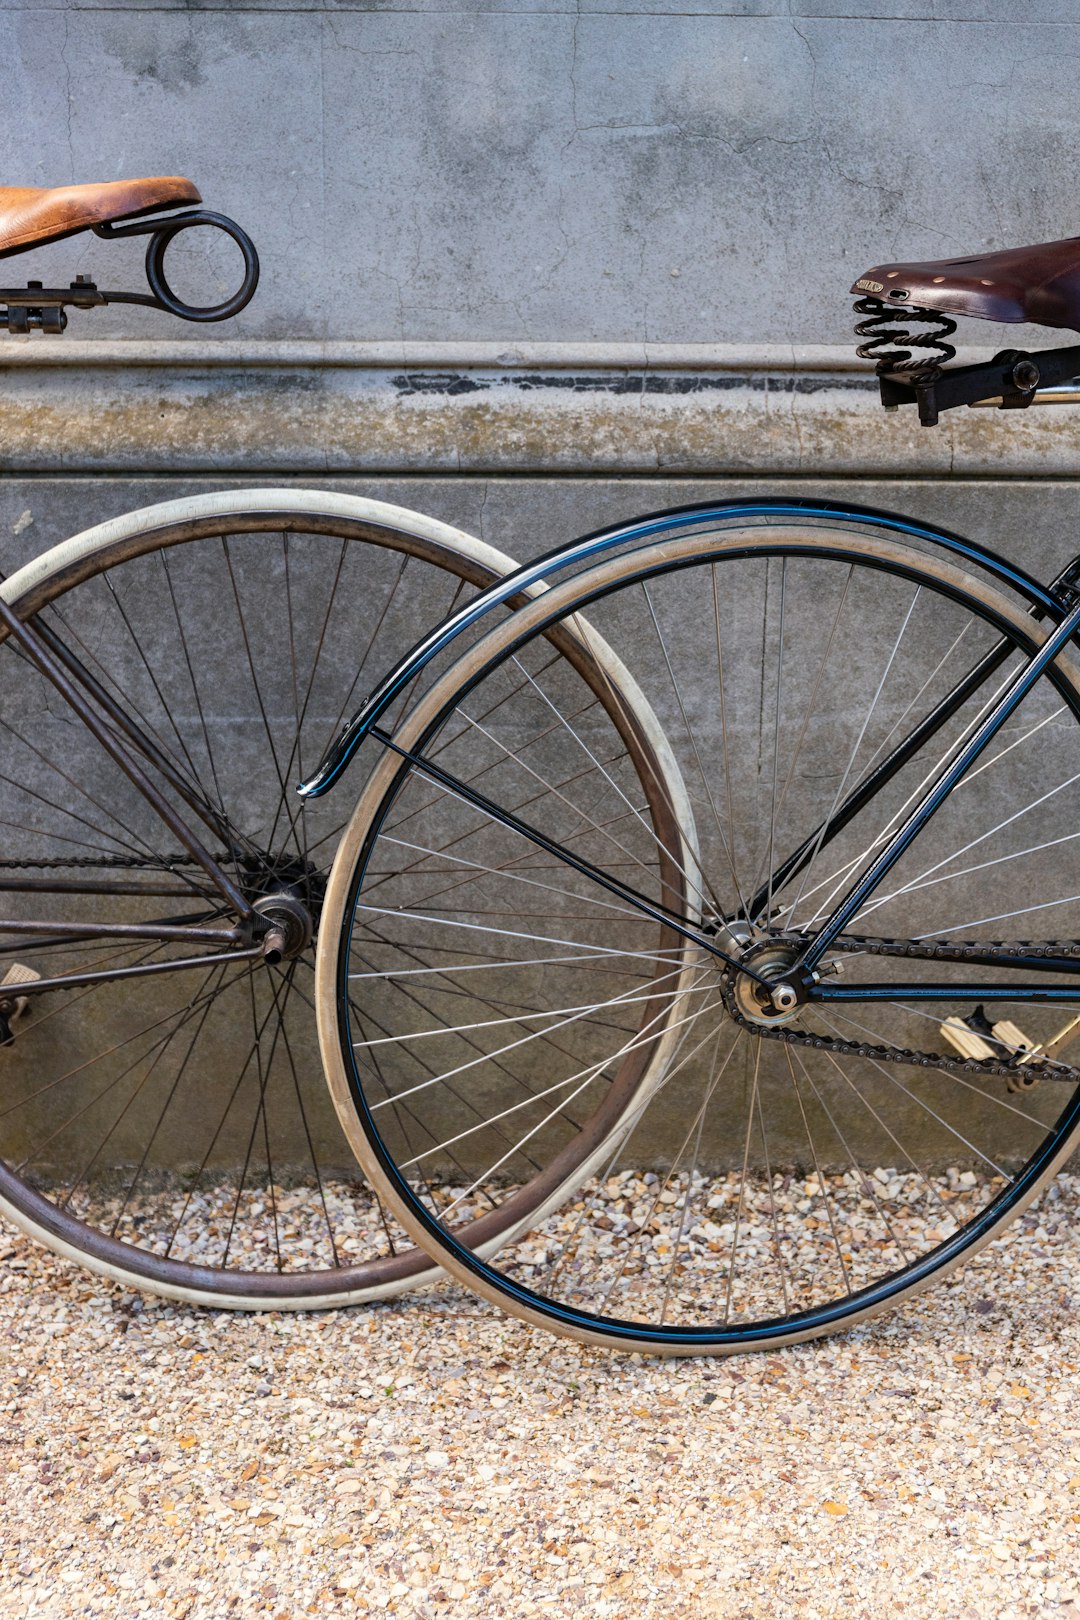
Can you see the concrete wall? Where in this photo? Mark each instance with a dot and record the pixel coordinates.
(610, 172)
(658, 211)
(517, 239)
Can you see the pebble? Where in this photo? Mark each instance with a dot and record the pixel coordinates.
(432, 1458)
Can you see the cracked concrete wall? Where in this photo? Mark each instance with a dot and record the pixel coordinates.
(674, 171)
(639, 184)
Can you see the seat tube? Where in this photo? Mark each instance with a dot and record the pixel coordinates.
(1022, 683)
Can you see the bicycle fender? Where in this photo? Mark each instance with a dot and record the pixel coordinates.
(533, 578)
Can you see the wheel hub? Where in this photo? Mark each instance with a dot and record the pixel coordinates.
(288, 895)
(779, 1001)
(290, 923)
(266, 875)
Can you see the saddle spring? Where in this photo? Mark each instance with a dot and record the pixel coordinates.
(880, 333)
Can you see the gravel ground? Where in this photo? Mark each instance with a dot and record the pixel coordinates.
(432, 1458)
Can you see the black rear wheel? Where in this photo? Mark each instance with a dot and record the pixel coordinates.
(784, 1173)
(174, 1132)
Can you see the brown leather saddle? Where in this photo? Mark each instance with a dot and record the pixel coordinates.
(1039, 284)
(31, 215)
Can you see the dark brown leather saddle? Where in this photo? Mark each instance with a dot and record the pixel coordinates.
(31, 215)
(907, 314)
(1039, 284)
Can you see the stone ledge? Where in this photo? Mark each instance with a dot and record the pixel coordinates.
(37, 351)
(358, 408)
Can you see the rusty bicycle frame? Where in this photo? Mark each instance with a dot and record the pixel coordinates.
(251, 935)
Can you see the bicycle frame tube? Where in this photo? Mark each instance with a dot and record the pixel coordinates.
(864, 887)
(534, 576)
(506, 818)
(146, 970)
(81, 677)
(948, 992)
(824, 833)
(77, 687)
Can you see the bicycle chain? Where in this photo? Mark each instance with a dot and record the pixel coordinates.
(156, 864)
(1020, 1078)
(956, 951)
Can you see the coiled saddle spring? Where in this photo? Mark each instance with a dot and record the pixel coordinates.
(880, 333)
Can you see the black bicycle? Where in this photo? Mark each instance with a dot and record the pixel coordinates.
(812, 993)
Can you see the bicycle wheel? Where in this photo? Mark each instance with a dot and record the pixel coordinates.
(784, 1176)
(173, 1131)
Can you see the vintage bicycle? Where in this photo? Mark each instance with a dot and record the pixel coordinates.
(166, 677)
(852, 936)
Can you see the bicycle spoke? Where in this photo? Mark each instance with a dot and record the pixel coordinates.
(178, 1134)
(889, 663)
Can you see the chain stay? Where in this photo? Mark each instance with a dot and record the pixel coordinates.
(957, 951)
(1020, 1077)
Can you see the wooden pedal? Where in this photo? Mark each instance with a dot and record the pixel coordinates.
(12, 1004)
(965, 1040)
(1008, 1039)
(1013, 1036)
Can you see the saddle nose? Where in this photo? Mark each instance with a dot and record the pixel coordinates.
(31, 215)
(1040, 284)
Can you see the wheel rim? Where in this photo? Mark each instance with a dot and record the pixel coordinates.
(879, 1235)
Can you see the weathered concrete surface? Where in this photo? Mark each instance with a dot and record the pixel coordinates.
(1036, 522)
(720, 171)
(294, 412)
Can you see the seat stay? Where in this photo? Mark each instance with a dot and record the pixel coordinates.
(63, 676)
(1064, 588)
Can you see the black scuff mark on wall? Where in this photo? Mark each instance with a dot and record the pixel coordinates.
(675, 385)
